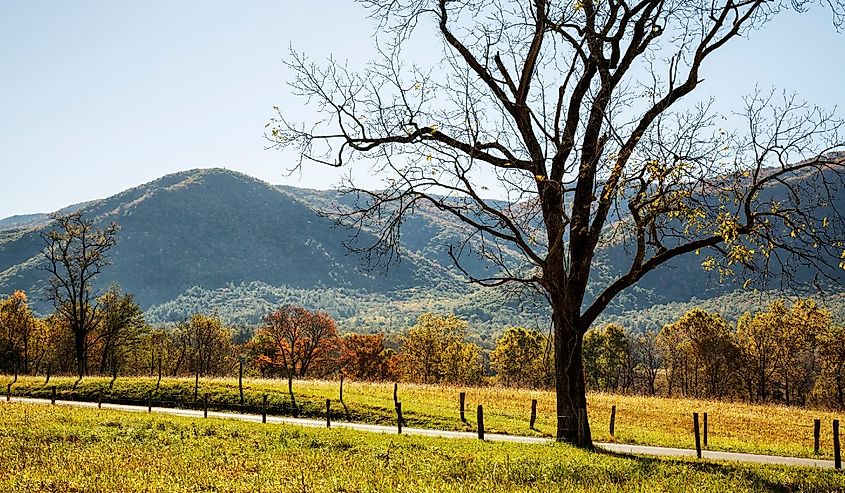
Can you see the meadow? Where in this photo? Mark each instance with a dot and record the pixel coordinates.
(660, 421)
(59, 448)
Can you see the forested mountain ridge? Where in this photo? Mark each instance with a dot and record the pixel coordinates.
(216, 240)
(209, 228)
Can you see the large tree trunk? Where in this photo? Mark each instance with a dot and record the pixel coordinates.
(571, 393)
(81, 353)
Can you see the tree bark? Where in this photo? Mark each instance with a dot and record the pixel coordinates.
(571, 393)
(81, 353)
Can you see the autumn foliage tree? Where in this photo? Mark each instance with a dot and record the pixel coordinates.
(700, 355)
(830, 385)
(435, 350)
(364, 357)
(298, 343)
(18, 329)
(204, 347)
(522, 358)
(606, 354)
(583, 118)
(779, 350)
(120, 330)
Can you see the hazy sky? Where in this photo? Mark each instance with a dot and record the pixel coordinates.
(100, 96)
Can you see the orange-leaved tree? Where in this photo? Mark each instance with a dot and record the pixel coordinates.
(296, 341)
(364, 357)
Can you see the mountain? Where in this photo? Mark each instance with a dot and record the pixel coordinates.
(216, 240)
(23, 221)
(209, 228)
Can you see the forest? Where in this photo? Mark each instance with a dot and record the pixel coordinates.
(788, 353)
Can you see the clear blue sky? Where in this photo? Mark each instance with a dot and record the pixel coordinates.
(99, 96)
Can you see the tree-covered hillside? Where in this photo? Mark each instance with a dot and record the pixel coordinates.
(209, 228)
(216, 240)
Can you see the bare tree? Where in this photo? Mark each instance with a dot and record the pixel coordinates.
(580, 119)
(76, 252)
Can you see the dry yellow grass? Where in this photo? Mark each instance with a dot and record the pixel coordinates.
(736, 427)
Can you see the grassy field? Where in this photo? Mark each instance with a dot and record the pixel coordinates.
(667, 422)
(55, 448)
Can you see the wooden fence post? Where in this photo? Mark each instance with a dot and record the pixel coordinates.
(480, 419)
(837, 455)
(705, 430)
(292, 397)
(8, 392)
(533, 414)
(100, 399)
(462, 400)
(241, 379)
(697, 435)
(205, 405)
(395, 393)
(53, 395)
(328, 413)
(612, 420)
(158, 382)
(817, 429)
(49, 368)
(341, 387)
(149, 401)
(399, 418)
(264, 409)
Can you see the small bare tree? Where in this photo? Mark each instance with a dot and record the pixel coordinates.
(76, 252)
(579, 116)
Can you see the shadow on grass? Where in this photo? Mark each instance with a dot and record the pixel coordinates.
(751, 472)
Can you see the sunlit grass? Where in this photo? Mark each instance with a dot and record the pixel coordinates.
(658, 421)
(59, 448)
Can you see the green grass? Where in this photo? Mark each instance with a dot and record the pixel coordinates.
(734, 427)
(57, 448)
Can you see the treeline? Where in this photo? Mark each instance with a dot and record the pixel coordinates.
(292, 342)
(33, 345)
(792, 354)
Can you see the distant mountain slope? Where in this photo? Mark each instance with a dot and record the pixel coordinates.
(427, 232)
(212, 239)
(22, 221)
(209, 228)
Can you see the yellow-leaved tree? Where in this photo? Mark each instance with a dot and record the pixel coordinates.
(700, 354)
(435, 349)
(18, 329)
(778, 347)
(522, 358)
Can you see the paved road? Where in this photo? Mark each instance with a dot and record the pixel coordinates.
(612, 447)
